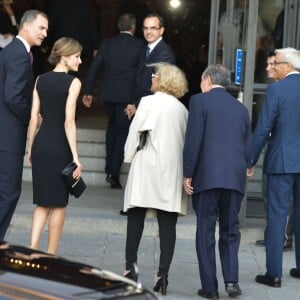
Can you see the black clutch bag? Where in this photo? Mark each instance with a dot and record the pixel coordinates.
(76, 186)
(143, 140)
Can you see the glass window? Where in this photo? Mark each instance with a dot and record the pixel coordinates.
(232, 32)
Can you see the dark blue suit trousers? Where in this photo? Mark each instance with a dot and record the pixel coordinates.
(280, 188)
(209, 205)
(10, 178)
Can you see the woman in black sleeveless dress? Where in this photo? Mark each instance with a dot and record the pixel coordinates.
(52, 140)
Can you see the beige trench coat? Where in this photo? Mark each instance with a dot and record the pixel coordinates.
(155, 176)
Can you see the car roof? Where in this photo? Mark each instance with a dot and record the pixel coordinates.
(24, 270)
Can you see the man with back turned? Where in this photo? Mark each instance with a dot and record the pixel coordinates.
(214, 168)
(119, 57)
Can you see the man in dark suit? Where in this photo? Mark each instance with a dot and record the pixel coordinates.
(16, 86)
(119, 55)
(214, 168)
(279, 121)
(157, 51)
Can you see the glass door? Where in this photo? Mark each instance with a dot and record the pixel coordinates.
(291, 35)
(256, 28)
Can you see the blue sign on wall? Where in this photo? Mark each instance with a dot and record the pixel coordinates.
(239, 66)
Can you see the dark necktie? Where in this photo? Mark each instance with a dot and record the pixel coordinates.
(30, 56)
(147, 52)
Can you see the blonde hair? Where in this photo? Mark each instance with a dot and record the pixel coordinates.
(64, 46)
(171, 80)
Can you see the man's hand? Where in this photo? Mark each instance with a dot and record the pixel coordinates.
(87, 100)
(187, 185)
(130, 111)
(250, 172)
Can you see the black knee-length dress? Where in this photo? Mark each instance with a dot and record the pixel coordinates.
(50, 150)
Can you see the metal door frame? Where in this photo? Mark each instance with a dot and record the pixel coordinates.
(247, 89)
(291, 36)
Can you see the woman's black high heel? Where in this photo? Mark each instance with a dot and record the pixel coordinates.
(161, 285)
(131, 275)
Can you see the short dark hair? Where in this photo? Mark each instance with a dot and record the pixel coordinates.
(126, 22)
(271, 54)
(155, 15)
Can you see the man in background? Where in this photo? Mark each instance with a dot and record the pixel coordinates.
(119, 57)
(157, 51)
(16, 86)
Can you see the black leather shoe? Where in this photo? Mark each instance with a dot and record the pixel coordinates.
(116, 185)
(123, 213)
(233, 289)
(268, 280)
(108, 178)
(260, 243)
(295, 272)
(114, 182)
(208, 295)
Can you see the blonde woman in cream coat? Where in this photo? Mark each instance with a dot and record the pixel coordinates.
(155, 176)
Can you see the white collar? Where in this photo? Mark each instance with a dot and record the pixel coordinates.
(27, 46)
(152, 45)
(292, 73)
(128, 32)
(217, 86)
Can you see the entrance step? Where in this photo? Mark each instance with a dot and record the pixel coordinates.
(91, 150)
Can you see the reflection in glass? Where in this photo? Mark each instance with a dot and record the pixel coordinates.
(232, 32)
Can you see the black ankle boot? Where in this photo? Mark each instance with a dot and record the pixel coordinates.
(161, 285)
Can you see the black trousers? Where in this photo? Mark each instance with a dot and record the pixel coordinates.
(116, 134)
(167, 237)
